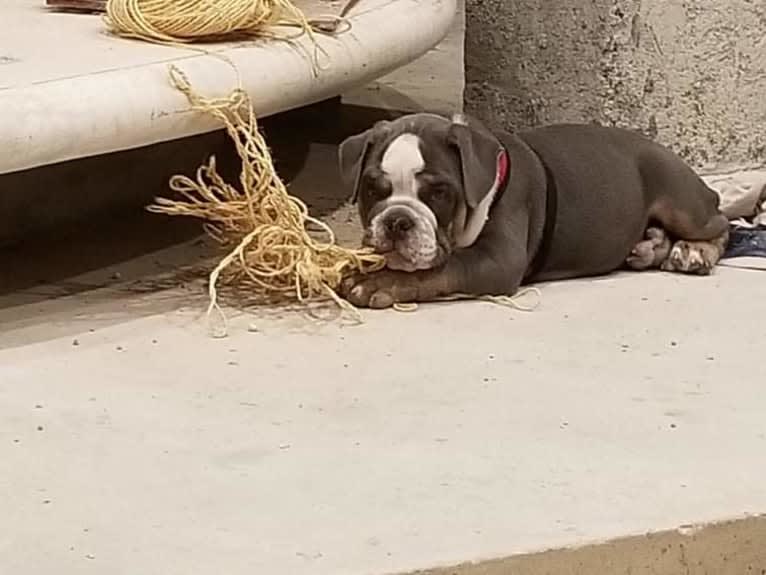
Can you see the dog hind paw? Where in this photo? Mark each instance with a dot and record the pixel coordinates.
(650, 252)
(687, 257)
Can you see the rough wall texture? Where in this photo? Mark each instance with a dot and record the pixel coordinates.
(690, 73)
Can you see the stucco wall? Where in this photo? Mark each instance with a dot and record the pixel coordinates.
(691, 73)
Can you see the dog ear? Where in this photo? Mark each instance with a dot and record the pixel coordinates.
(478, 149)
(352, 154)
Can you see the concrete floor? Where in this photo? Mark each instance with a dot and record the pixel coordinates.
(132, 442)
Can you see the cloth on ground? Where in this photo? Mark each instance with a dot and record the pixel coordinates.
(743, 201)
(746, 242)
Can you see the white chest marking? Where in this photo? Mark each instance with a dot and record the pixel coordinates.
(473, 224)
(402, 162)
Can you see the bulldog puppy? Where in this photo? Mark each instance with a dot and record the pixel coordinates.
(456, 209)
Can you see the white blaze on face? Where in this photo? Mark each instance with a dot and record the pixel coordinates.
(402, 162)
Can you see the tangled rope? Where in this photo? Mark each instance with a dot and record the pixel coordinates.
(276, 255)
(185, 21)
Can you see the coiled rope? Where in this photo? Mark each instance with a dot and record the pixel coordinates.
(185, 21)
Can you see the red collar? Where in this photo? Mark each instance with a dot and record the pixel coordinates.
(503, 168)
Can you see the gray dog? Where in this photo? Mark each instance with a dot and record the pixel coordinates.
(458, 209)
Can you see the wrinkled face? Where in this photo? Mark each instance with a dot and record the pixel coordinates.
(424, 185)
(408, 198)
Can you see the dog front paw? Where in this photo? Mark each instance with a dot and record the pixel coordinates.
(381, 289)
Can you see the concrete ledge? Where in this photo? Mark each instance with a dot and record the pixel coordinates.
(85, 100)
(31, 200)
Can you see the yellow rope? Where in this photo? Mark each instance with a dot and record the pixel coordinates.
(180, 21)
(512, 302)
(275, 255)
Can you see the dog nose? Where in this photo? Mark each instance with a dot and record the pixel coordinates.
(398, 225)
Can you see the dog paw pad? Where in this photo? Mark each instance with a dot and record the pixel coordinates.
(689, 258)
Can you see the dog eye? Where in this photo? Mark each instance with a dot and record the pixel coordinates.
(377, 194)
(376, 189)
(437, 191)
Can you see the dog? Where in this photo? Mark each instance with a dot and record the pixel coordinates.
(458, 209)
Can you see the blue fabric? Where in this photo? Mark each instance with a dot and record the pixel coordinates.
(746, 242)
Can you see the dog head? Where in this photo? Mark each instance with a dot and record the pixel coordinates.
(424, 185)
